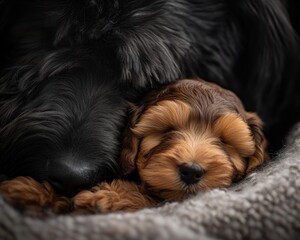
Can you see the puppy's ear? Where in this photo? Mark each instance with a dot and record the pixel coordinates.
(260, 154)
(131, 141)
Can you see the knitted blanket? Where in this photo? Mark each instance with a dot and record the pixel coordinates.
(266, 205)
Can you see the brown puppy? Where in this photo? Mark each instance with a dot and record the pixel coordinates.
(187, 137)
(184, 138)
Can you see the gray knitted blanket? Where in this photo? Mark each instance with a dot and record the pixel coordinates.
(266, 205)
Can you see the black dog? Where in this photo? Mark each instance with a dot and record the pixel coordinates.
(69, 67)
(65, 129)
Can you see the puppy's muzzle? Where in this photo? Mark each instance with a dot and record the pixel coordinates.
(190, 173)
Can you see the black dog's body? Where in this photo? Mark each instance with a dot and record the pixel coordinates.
(69, 67)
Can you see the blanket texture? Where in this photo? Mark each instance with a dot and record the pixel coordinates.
(266, 205)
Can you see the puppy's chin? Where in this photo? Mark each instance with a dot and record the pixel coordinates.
(161, 170)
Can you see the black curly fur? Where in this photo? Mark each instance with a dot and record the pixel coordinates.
(68, 68)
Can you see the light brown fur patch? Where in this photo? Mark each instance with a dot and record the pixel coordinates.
(26, 192)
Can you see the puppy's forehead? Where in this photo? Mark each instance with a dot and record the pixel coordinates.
(198, 92)
(192, 104)
(207, 100)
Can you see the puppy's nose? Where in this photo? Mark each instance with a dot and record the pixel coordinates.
(67, 179)
(190, 173)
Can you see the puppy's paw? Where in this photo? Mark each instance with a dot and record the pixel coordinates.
(117, 196)
(25, 191)
(100, 199)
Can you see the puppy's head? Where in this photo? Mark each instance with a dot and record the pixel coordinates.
(191, 136)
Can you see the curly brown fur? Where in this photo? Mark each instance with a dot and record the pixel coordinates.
(26, 192)
(117, 196)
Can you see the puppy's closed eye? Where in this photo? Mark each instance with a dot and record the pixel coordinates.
(161, 117)
(147, 128)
